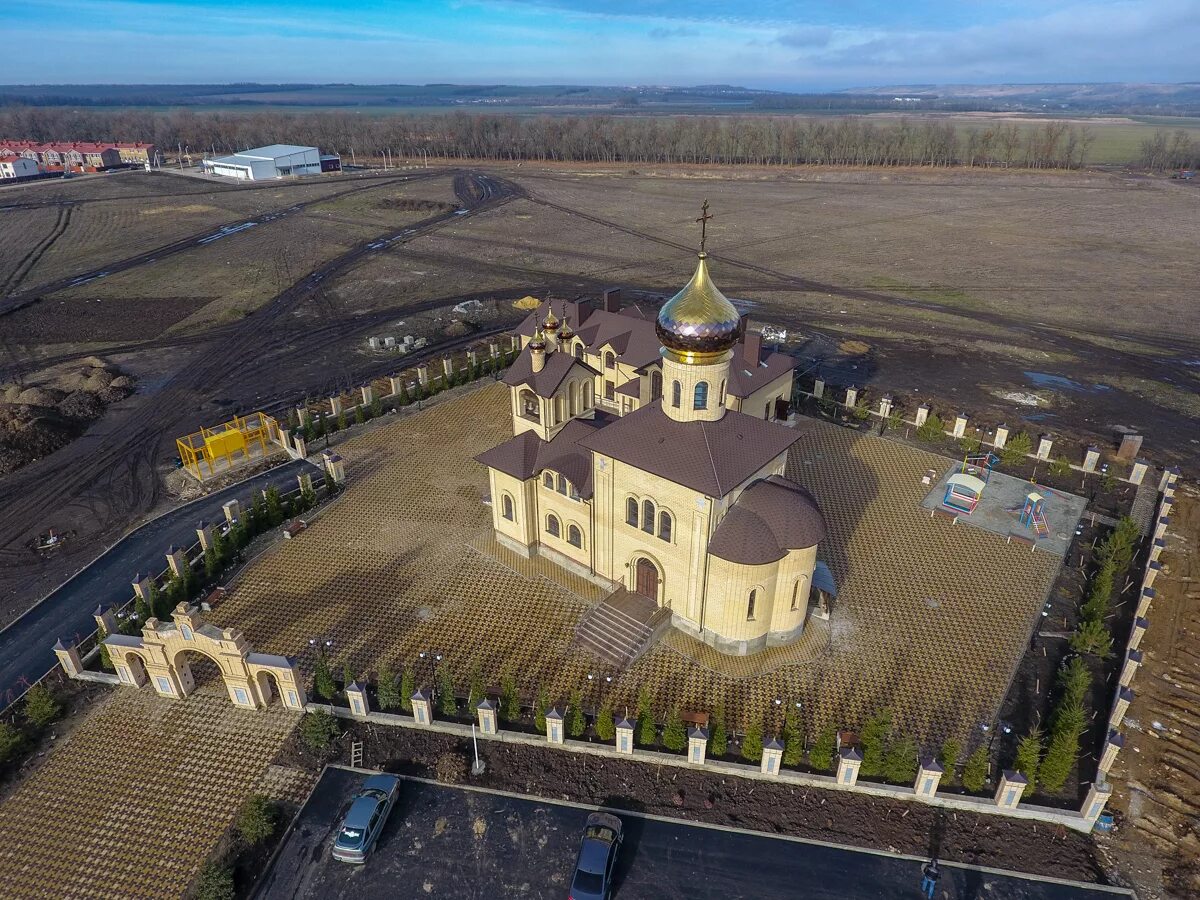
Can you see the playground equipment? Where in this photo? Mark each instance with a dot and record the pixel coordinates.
(211, 451)
(963, 492)
(980, 466)
(1033, 516)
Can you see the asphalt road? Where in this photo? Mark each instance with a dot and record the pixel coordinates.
(25, 645)
(451, 842)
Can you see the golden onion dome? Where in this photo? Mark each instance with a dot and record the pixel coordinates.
(551, 323)
(538, 341)
(699, 323)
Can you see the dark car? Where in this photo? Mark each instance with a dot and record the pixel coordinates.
(365, 819)
(597, 858)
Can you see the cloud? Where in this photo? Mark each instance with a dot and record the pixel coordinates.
(807, 36)
(666, 34)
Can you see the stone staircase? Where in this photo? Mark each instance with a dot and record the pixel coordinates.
(621, 627)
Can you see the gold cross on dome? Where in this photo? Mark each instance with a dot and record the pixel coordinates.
(703, 220)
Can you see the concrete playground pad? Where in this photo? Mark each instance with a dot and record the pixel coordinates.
(999, 510)
(451, 842)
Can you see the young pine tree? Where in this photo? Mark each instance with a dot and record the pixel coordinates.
(647, 734)
(718, 737)
(605, 727)
(387, 692)
(874, 741)
(510, 705)
(948, 757)
(576, 720)
(900, 763)
(1029, 756)
(674, 734)
(975, 771)
(820, 756)
(752, 743)
(408, 687)
(447, 702)
(793, 738)
(539, 710)
(323, 679)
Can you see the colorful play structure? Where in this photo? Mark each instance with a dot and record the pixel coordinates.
(980, 466)
(1033, 516)
(212, 451)
(963, 492)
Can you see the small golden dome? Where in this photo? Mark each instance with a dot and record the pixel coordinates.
(538, 341)
(551, 323)
(698, 323)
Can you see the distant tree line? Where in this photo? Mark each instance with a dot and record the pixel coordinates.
(755, 140)
(1178, 150)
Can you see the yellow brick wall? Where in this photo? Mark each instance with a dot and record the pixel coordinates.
(522, 528)
(756, 404)
(569, 512)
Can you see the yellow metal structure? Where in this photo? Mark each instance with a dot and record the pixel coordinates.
(211, 451)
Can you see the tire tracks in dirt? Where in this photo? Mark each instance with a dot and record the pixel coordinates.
(30, 259)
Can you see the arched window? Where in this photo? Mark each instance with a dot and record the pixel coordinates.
(506, 508)
(574, 536)
(529, 406)
(560, 409)
(750, 605)
(631, 512)
(675, 392)
(721, 396)
(796, 593)
(573, 395)
(700, 399)
(648, 516)
(579, 350)
(548, 480)
(655, 385)
(664, 525)
(553, 526)
(562, 484)
(587, 395)
(610, 361)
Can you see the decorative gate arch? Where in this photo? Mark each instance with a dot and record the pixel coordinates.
(158, 657)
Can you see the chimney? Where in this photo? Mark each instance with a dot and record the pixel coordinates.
(612, 300)
(752, 348)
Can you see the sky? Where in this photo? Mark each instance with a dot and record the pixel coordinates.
(773, 44)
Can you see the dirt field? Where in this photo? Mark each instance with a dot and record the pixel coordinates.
(1157, 791)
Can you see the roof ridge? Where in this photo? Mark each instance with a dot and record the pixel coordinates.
(712, 462)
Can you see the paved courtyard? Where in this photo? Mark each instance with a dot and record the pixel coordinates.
(135, 800)
(930, 621)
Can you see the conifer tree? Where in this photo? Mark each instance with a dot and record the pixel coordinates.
(975, 771)
(1029, 755)
(323, 679)
(793, 738)
(647, 728)
(948, 757)
(874, 741)
(605, 727)
(539, 710)
(576, 720)
(386, 691)
(674, 734)
(408, 687)
(718, 736)
(752, 743)
(820, 756)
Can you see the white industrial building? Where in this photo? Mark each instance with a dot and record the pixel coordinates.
(275, 161)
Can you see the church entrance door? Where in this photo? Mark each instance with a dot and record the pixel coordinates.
(647, 579)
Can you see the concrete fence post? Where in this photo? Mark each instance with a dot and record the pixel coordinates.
(486, 712)
(302, 414)
(232, 510)
(1001, 437)
(1144, 601)
(922, 417)
(1108, 755)
(304, 481)
(851, 396)
(423, 374)
(472, 359)
(421, 709)
(493, 349)
(849, 762)
(554, 725)
(1133, 659)
(301, 446)
(697, 745)
(818, 389)
(395, 383)
(204, 533)
(1091, 458)
(1120, 707)
(68, 658)
(929, 776)
(141, 586)
(106, 619)
(1153, 568)
(772, 757)
(335, 406)
(960, 425)
(625, 736)
(1140, 624)
(357, 695)
(1011, 787)
(1093, 804)
(1138, 473)
(1045, 445)
(1157, 547)
(514, 342)
(177, 561)
(1160, 528)
(368, 393)
(885, 407)
(335, 467)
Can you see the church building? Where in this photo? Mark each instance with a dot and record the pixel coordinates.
(649, 454)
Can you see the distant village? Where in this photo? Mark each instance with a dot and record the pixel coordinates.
(31, 159)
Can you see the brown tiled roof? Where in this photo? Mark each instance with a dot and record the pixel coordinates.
(769, 518)
(710, 457)
(526, 455)
(744, 379)
(629, 332)
(631, 388)
(544, 383)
